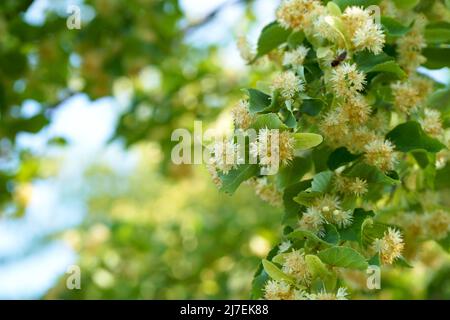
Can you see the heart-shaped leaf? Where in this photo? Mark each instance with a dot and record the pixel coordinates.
(343, 257)
(304, 141)
(410, 136)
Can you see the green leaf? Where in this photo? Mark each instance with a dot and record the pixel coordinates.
(306, 198)
(316, 267)
(442, 179)
(305, 234)
(272, 36)
(369, 173)
(421, 158)
(295, 39)
(371, 230)
(275, 273)
(339, 157)
(375, 260)
(401, 262)
(312, 106)
(437, 35)
(353, 232)
(288, 118)
(279, 258)
(393, 27)
(366, 60)
(269, 121)
(369, 62)
(331, 234)
(293, 172)
(445, 243)
(440, 99)
(258, 283)
(258, 101)
(234, 178)
(320, 156)
(389, 67)
(343, 257)
(291, 207)
(347, 3)
(260, 277)
(406, 4)
(321, 181)
(334, 9)
(410, 136)
(436, 57)
(304, 141)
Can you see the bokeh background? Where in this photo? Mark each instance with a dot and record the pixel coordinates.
(85, 172)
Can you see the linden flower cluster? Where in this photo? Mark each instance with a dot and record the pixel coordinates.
(214, 175)
(341, 294)
(246, 52)
(295, 265)
(431, 225)
(326, 209)
(295, 57)
(288, 84)
(409, 47)
(363, 31)
(280, 290)
(380, 153)
(346, 185)
(298, 14)
(313, 18)
(356, 110)
(389, 247)
(346, 80)
(241, 115)
(406, 97)
(273, 147)
(437, 224)
(267, 191)
(431, 122)
(225, 156)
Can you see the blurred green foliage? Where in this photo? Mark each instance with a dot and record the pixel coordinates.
(135, 46)
(168, 239)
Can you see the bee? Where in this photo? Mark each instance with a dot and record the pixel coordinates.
(341, 57)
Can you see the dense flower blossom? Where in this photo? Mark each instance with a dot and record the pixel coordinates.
(390, 246)
(295, 265)
(273, 147)
(295, 57)
(241, 115)
(380, 153)
(346, 80)
(288, 84)
(336, 79)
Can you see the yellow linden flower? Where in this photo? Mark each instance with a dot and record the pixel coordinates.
(288, 84)
(312, 220)
(390, 246)
(380, 153)
(295, 265)
(346, 80)
(241, 115)
(278, 290)
(267, 192)
(297, 14)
